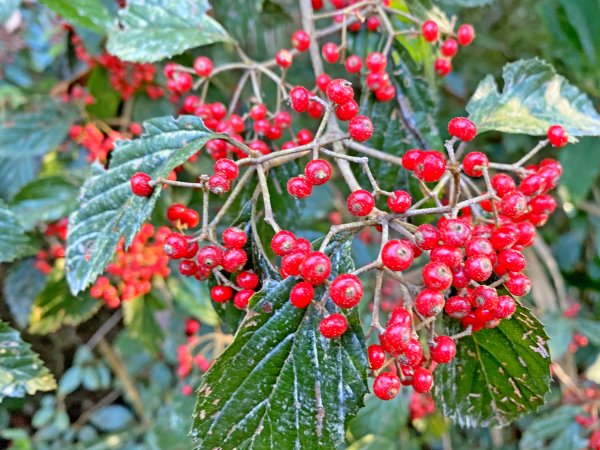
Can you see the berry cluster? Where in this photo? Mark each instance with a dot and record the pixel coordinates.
(448, 48)
(98, 144)
(56, 236)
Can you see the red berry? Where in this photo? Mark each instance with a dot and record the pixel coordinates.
(449, 47)
(462, 128)
(176, 211)
(518, 284)
(282, 119)
(386, 386)
(299, 187)
(234, 237)
(400, 316)
(316, 268)
(284, 58)
(427, 236)
(360, 128)
(323, 81)
(242, 298)
(465, 34)
(505, 307)
(479, 246)
(385, 93)
(409, 159)
(377, 80)
(304, 136)
(376, 356)
(175, 246)
(395, 338)
(318, 172)
(218, 184)
(455, 232)
(473, 162)
(422, 380)
(373, 23)
(353, 64)
(247, 280)
(188, 268)
(227, 168)
(429, 302)
(302, 294)
(376, 61)
(300, 40)
(478, 268)
(347, 111)
(210, 256)
(221, 294)
(299, 98)
(333, 326)
(457, 307)
(330, 52)
(430, 166)
(443, 350)
(527, 233)
(558, 136)
(315, 109)
(291, 263)
(346, 290)
(442, 66)
(360, 203)
(512, 260)
(183, 81)
(504, 236)
(460, 279)
(234, 260)
(140, 184)
(503, 184)
(437, 275)
(430, 30)
(191, 218)
(399, 202)
(340, 91)
(514, 205)
(283, 242)
(303, 245)
(450, 256)
(203, 66)
(483, 297)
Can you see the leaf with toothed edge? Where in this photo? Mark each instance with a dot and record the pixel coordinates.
(280, 381)
(498, 374)
(109, 210)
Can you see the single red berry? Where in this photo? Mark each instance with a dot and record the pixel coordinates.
(282, 119)
(227, 168)
(340, 91)
(527, 233)
(191, 327)
(318, 172)
(291, 263)
(323, 81)
(430, 166)
(221, 294)
(376, 61)
(237, 123)
(353, 64)
(505, 307)
(258, 111)
(514, 205)
(429, 302)
(242, 298)
(448, 255)
(299, 187)
(518, 284)
(175, 246)
(373, 23)
(191, 218)
(512, 260)
(360, 203)
(218, 184)
(234, 237)
(531, 185)
(400, 316)
(505, 236)
(210, 256)
(234, 260)
(347, 111)
(303, 245)
(247, 280)
(430, 30)
(385, 93)
(140, 184)
(284, 58)
(192, 249)
(457, 307)
(346, 290)
(462, 128)
(460, 279)
(330, 52)
(443, 350)
(399, 202)
(316, 268)
(422, 380)
(302, 294)
(283, 242)
(176, 211)
(299, 98)
(473, 163)
(558, 136)
(300, 40)
(395, 338)
(315, 109)
(376, 356)
(465, 34)
(483, 297)
(442, 66)
(503, 184)
(304, 136)
(183, 81)
(479, 246)
(169, 69)
(449, 47)
(455, 232)
(203, 66)
(478, 268)
(427, 236)
(333, 326)
(377, 80)
(188, 268)
(360, 128)
(135, 128)
(437, 275)
(386, 386)
(412, 354)
(409, 159)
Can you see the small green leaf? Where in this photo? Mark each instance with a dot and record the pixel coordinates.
(112, 418)
(91, 14)
(14, 243)
(45, 200)
(35, 132)
(384, 419)
(16, 173)
(55, 306)
(151, 30)
(141, 323)
(280, 380)
(70, 380)
(109, 210)
(533, 98)
(22, 285)
(497, 375)
(21, 370)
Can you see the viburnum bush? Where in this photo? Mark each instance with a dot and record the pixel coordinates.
(278, 227)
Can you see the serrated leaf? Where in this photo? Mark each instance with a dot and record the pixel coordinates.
(138, 314)
(91, 14)
(280, 380)
(21, 370)
(35, 132)
(22, 285)
(14, 243)
(55, 306)
(151, 30)
(109, 210)
(497, 375)
(533, 97)
(45, 200)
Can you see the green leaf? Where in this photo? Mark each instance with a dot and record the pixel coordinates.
(70, 380)
(534, 97)
(547, 428)
(16, 173)
(55, 306)
(109, 210)
(45, 200)
(384, 419)
(280, 380)
(112, 418)
(21, 370)
(14, 243)
(151, 30)
(138, 314)
(22, 285)
(497, 375)
(91, 14)
(373, 442)
(581, 165)
(193, 295)
(107, 99)
(35, 132)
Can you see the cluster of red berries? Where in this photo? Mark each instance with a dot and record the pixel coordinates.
(128, 78)
(130, 273)
(56, 235)
(186, 359)
(420, 405)
(448, 47)
(372, 22)
(316, 173)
